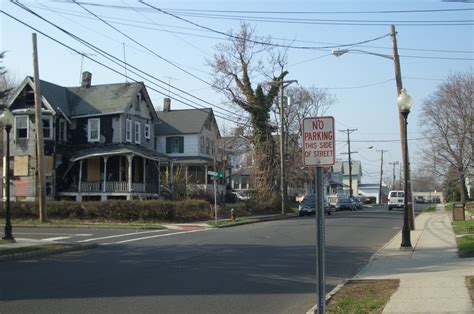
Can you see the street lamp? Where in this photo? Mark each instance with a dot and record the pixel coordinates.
(404, 105)
(7, 120)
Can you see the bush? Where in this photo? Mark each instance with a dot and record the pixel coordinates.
(115, 210)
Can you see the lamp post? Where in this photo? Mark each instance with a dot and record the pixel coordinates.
(7, 120)
(402, 120)
(404, 105)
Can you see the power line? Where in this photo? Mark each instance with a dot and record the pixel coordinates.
(298, 12)
(257, 41)
(109, 56)
(143, 46)
(120, 22)
(114, 70)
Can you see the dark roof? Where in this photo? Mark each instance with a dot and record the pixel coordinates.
(78, 101)
(186, 121)
(106, 98)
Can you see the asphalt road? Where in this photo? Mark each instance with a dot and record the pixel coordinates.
(267, 267)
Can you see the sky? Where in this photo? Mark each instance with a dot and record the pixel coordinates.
(435, 39)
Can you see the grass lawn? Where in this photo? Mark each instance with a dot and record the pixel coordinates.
(224, 222)
(363, 296)
(73, 223)
(470, 286)
(30, 249)
(465, 232)
(430, 208)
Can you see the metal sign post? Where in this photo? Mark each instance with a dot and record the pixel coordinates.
(320, 238)
(319, 152)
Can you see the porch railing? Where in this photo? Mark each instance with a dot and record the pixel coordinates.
(116, 186)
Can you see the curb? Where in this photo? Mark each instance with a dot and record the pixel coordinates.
(28, 255)
(257, 221)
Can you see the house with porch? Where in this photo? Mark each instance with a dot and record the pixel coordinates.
(190, 139)
(99, 142)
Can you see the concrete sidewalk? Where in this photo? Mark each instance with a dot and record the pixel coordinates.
(432, 276)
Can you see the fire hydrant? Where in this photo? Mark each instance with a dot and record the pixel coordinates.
(232, 214)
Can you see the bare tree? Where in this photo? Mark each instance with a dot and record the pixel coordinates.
(447, 119)
(237, 64)
(7, 82)
(305, 102)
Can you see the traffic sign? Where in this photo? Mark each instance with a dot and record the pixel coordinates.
(319, 142)
(215, 174)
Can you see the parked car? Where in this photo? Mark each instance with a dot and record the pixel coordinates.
(419, 199)
(358, 203)
(307, 206)
(345, 204)
(395, 199)
(240, 196)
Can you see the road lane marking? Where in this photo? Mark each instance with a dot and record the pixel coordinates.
(121, 235)
(161, 235)
(55, 239)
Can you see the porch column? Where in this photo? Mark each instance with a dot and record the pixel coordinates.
(144, 174)
(105, 173)
(120, 168)
(159, 178)
(80, 176)
(130, 159)
(170, 176)
(186, 179)
(205, 175)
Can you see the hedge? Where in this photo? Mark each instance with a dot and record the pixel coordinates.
(115, 210)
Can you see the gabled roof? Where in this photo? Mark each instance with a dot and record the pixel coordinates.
(187, 121)
(79, 101)
(343, 167)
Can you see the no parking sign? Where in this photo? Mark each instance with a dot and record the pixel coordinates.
(318, 142)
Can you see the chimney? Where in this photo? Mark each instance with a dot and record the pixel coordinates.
(86, 79)
(166, 104)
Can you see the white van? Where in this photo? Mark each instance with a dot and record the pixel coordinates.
(395, 199)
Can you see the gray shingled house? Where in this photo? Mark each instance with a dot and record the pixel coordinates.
(99, 142)
(190, 138)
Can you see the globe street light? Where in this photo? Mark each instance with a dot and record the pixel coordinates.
(7, 120)
(404, 102)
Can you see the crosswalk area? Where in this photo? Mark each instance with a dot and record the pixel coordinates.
(98, 236)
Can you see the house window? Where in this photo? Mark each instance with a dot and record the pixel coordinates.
(128, 130)
(62, 130)
(48, 128)
(147, 131)
(93, 130)
(244, 182)
(21, 127)
(138, 132)
(174, 144)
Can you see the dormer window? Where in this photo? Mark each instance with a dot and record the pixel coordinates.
(128, 130)
(93, 130)
(21, 127)
(138, 132)
(146, 131)
(48, 128)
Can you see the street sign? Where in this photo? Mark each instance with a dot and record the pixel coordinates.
(319, 142)
(215, 174)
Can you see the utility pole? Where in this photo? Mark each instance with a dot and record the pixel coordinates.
(381, 174)
(39, 137)
(405, 158)
(393, 181)
(349, 131)
(283, 189)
